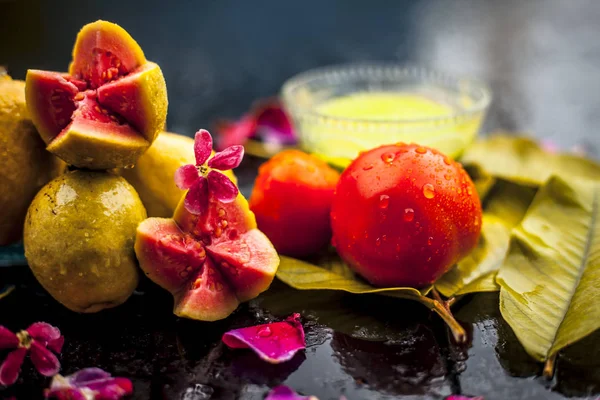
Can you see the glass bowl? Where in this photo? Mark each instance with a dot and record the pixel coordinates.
(339, 138)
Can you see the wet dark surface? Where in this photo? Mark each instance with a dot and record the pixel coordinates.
(542, 59)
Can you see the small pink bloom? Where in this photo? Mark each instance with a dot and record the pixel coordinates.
(40, 340)
(275, 342)
(89, 384)
(267, 121)
(202, 180)
(286, 393)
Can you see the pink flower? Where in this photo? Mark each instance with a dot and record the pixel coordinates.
(275, 342)
(286, 393)
(40, 340)
(202, 180)
(267, 121)
(89, 384)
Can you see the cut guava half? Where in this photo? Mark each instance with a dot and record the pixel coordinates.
(108, 109)
(210, 263)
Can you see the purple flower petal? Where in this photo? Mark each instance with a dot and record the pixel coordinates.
(203, 144)
(237, 132)
(43, 332)
(83, 376)
(10, 368)
(227, 159)
(221, 187)
(275, 343)
(273, 124)
(186, 176)
(286, 393)
(44, 361)
(8, 340)
(196, 199)
(94, 383)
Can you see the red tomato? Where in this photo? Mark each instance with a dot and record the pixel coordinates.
(402, 215)
(292, 201)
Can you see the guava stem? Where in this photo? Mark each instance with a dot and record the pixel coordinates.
(549, 366)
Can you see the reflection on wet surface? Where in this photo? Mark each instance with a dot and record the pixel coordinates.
(365, 347)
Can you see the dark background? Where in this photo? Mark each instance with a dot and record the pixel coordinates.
(542, 59)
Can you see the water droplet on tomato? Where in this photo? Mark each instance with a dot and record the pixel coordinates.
(398, 248)
(384, 201)
(447, 177)
(428, 191)
(447, 161)
(388, 157)
(378, 242)
(429, 240)
(368, 167)
(476, 221)
(366, 235)
(264, 332)
(469, 192)
(409, 214)
(384, 238)
(421, 150)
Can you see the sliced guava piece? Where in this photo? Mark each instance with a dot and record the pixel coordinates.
(137, 97)
(169, 257)
(247, 262)
(108, 110)
(103, 51)
(235, 258)
(208, 298)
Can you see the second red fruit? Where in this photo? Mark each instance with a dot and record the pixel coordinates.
(403, 214)
(292, 200)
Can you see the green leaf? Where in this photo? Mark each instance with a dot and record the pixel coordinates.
(509, 202)
(549, 279)
(476, 272)
(521, 160)
(334, 274)
(482, 180)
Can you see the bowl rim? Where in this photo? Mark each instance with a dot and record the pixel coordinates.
(302, 79)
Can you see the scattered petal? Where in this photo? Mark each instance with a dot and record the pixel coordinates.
(11, 367)
(8, 340)
(44, 361)
(6, 290)
(85, 375)
(236, 133)
(186, 176)
(273, 125)
(196, 199)
(229, 158)
(91, 383)
(286, 393)
(43, 332)
(275, 342)
(202, 146)
(221, 187)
